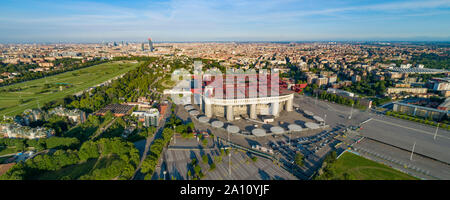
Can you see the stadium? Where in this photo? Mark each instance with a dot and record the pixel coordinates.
(240, 95)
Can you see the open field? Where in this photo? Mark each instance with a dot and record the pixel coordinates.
(360, 168)
(16, 98)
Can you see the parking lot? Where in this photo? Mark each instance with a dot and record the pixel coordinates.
(314, 144)
(419, 166)
(178, 156)
(313, 147)
(404, 134)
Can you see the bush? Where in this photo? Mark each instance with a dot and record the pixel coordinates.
(212, 166)
(205, 158)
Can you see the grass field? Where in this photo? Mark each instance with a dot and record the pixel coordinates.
(14, 99)
(360, 168)
(73, 172)
(7, 151)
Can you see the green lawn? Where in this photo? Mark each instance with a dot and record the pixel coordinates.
(34, 92)
(7, 151)
(73, 172)
(359, 168)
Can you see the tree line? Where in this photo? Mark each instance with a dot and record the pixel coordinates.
(124, 156)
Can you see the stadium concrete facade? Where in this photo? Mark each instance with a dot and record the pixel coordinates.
(236, 94)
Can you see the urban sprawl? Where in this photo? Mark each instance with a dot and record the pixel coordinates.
(314, 105)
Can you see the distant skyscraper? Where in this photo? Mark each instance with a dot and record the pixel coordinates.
(150, 44)
(143, 47)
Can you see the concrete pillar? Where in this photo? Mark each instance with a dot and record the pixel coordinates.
(201, 105)
(289, 105)
(275, 109)
(197, 100)
(230, 115)
(253, 111)
(208, 110)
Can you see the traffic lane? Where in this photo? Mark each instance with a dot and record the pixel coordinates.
(436, 168)
(425, 129)
(405, 138)
(336, 114)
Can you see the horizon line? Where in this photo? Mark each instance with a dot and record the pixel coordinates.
(232, 41)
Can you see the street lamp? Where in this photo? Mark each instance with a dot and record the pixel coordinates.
(351, 112)
(174, 134)
(229, 162)
(435, 134)
(412, 151)
(317, 96)
(289, 139)
(229, 155)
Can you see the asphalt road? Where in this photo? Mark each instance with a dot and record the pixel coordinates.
(417, 166)
(393, 131)
(404, 134)
(150, 139)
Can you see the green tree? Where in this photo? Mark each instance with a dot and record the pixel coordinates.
(204, 142)
(205, 158)
(212, 166)
(299, 159)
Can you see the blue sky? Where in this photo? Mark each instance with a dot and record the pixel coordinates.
(223, 20)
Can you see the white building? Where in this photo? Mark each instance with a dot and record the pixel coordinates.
(342, 92)
(150, 117)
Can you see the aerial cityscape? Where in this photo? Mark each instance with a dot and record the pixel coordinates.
(168, 90)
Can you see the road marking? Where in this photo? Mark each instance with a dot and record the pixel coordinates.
(366, 121)
(418, 130)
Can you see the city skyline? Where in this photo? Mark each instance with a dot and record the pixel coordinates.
(197, 20)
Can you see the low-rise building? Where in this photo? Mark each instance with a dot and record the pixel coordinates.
(45, 64)
(75, 115)
(420, 111)
(444, 105)
(445, 93)
(356, 78)
(321, 81)
(14, 130)
(341, 92)
(150, 117)
(406, 90)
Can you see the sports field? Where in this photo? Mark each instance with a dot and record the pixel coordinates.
(358, 168)
(16, 98)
